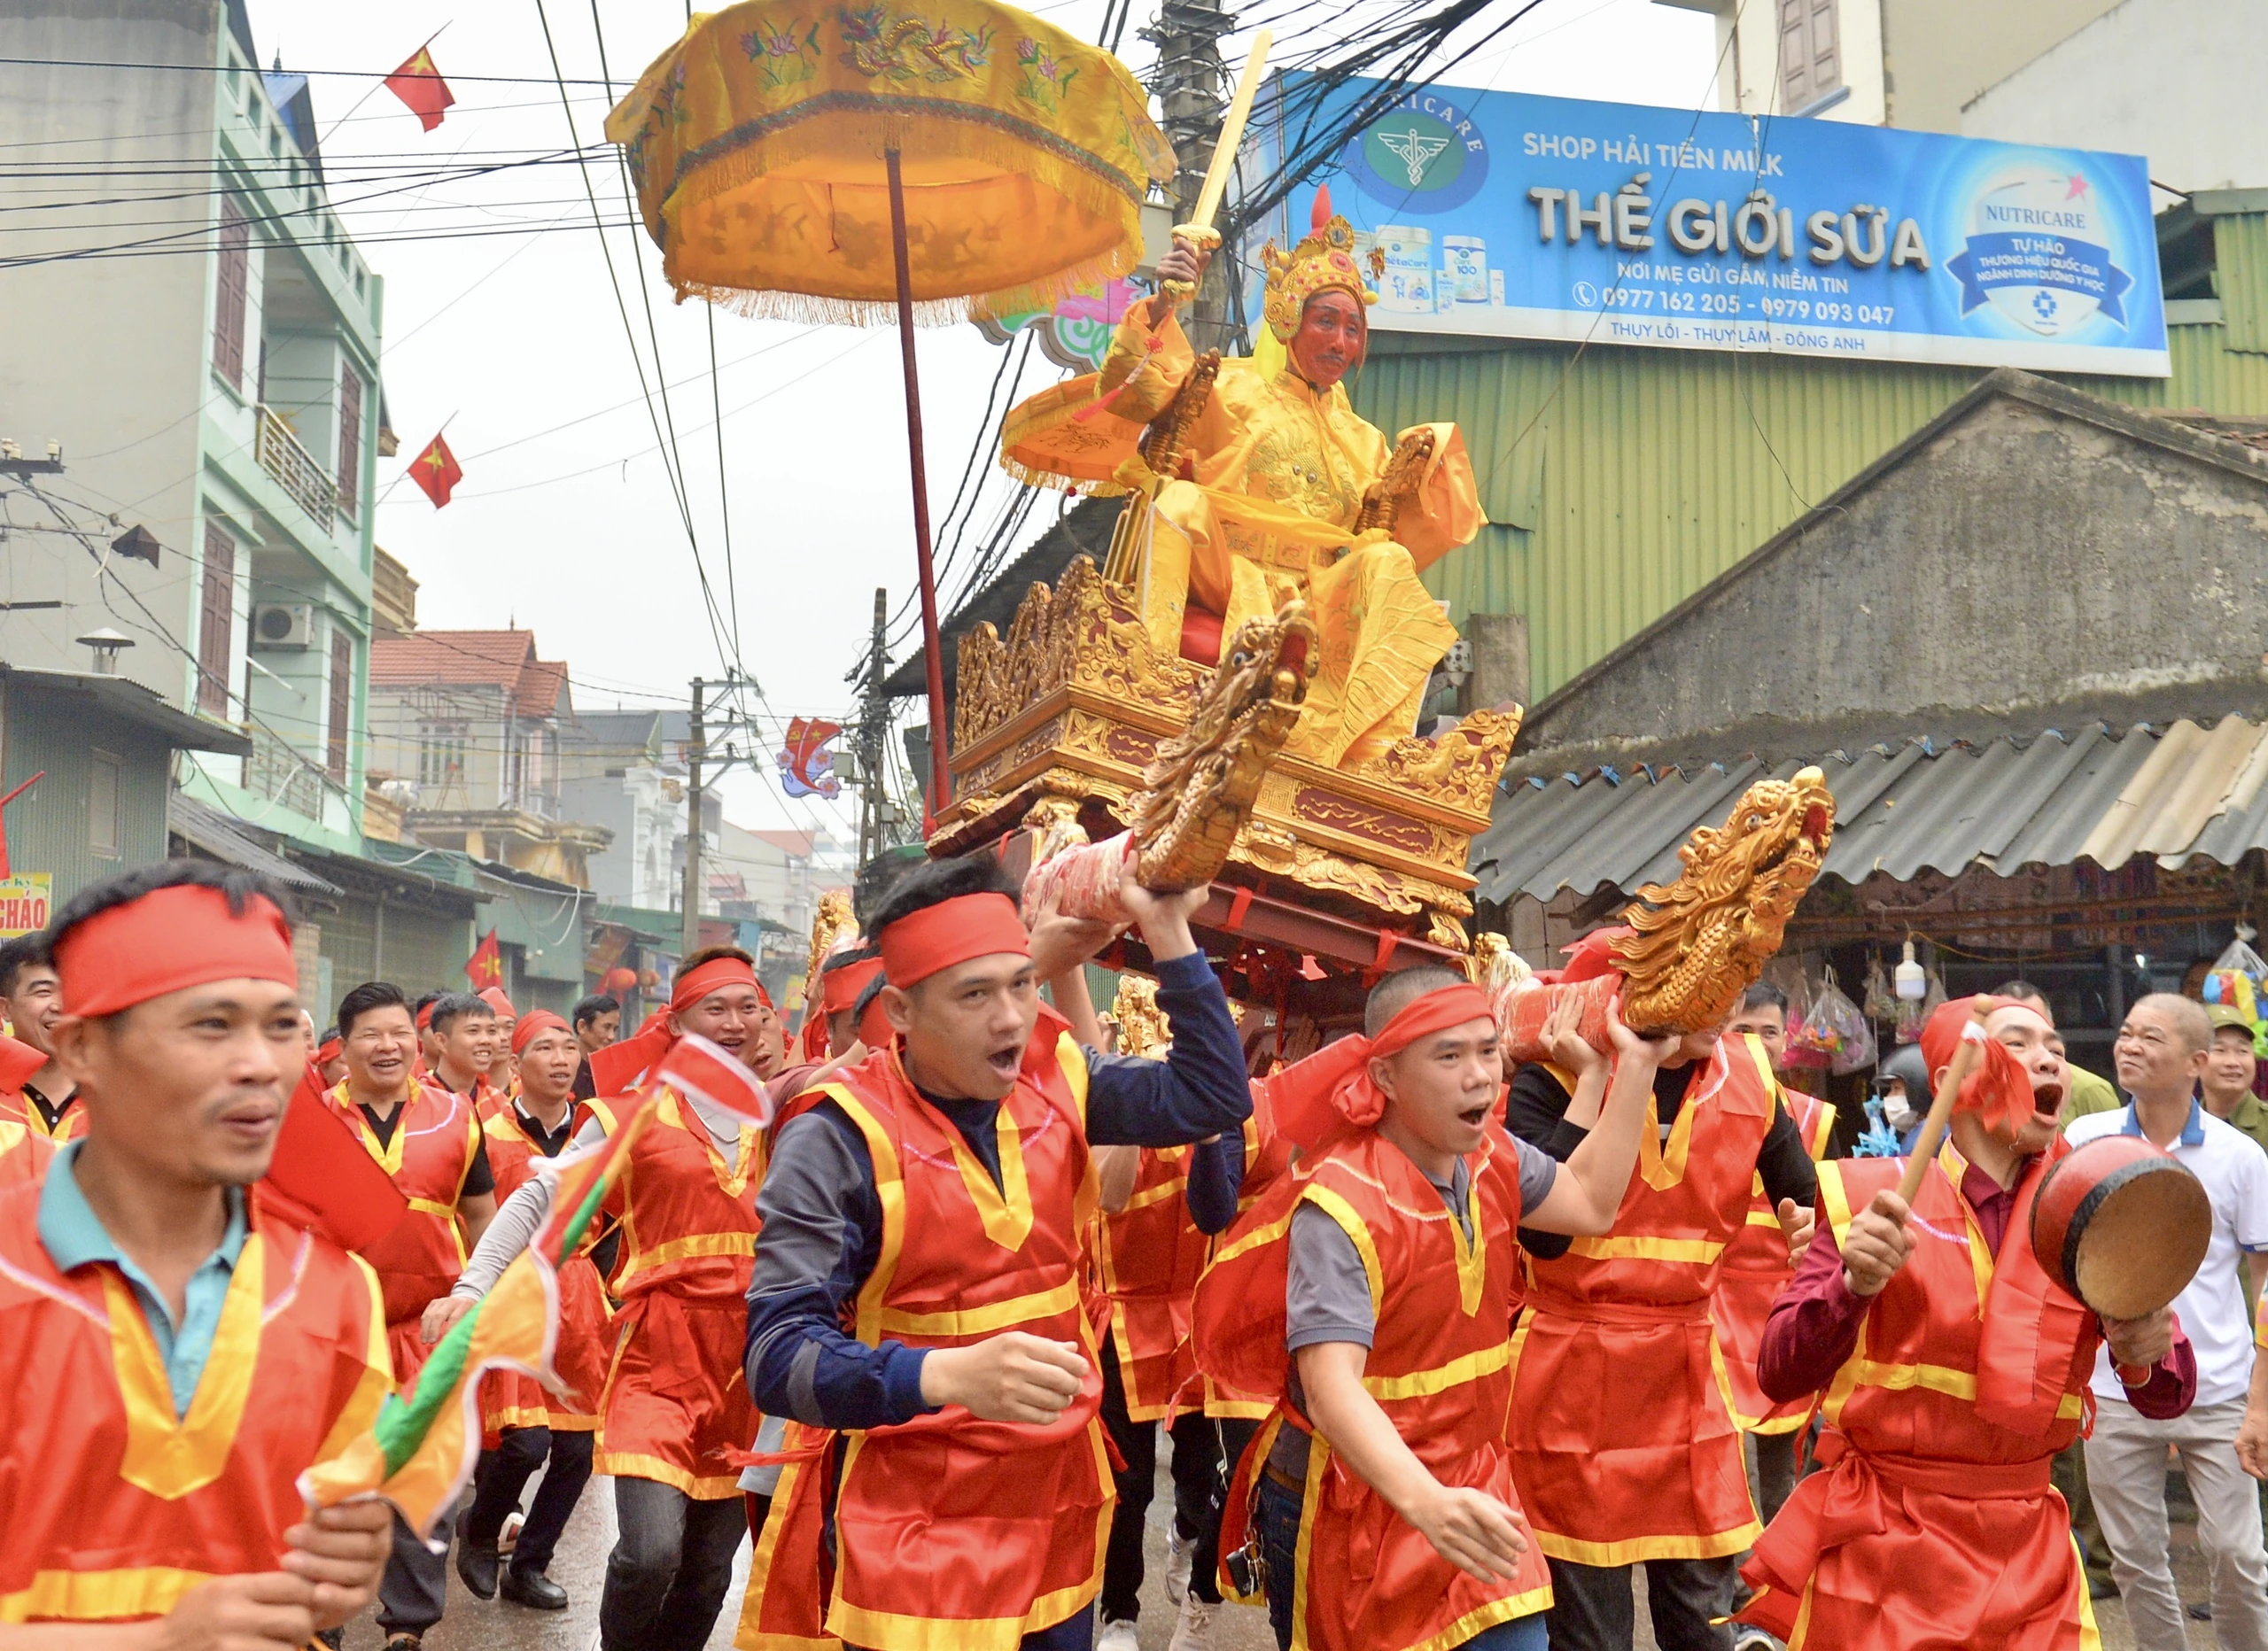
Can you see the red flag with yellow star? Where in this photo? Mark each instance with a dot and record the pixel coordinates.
(436, 471)
(419, 84)
(485, 966)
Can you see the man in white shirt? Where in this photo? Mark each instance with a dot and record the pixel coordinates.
(2160, 1054)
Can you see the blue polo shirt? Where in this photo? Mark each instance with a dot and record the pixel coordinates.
(74, 1238)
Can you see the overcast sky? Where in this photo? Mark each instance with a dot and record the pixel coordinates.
(566, 521)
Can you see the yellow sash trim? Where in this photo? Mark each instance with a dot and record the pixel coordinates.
(1073, 1061)
(169, 1456)
(1662, 1164)
(1458, 1371)
(87, 1596)
(389, 1156)
(889, 1192)
(1358, 1231)
(1764, 1218)
(733, 1182)
(376, 1380)
(1716, 1544)
(1699, 1251)
(1148, 1196)
(1005, 1211)
(689, 1248)
(1938, 1378)
(998, 1316)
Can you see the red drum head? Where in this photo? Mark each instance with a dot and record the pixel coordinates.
(2121, 1225)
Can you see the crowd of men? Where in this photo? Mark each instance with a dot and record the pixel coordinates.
(1442, 1354)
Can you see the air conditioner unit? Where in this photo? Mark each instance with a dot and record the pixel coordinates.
(283, 625)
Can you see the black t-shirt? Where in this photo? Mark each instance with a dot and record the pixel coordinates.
(587, 1086)
(550, 1142)
(477, 1180)
(1535, 1109)
(50, 1111)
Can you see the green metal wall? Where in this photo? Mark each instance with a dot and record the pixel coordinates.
(1621, 480)
(47, 828)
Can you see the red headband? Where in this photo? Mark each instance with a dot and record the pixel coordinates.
(1316, 1098)
(691, 985)
(839, 989)
(920, 943)
(534, 1021)
(166, 941)
(1999, 1089)
(494, 996)
(426, 1016)
(327, 1051)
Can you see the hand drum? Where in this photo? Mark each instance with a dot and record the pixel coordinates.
(2121, 1225)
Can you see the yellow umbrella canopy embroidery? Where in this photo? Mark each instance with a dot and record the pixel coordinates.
(757, 146)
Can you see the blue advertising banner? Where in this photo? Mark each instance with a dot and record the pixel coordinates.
(1501, 215)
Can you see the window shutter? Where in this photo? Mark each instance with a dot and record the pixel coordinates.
(235, 288)
(217, 622)
(350, 437)
(1811, 65)
(342, 701)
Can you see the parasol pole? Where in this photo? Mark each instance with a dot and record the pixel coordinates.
(932, 644)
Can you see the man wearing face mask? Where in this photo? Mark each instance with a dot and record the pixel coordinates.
(1270, 499)
(1934, 1523)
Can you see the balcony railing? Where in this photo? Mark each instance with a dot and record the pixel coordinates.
(282, 457)
(275, 770)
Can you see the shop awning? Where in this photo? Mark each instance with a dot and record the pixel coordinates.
(2049, 798)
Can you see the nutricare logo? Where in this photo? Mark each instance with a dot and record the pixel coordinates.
(1424, 155)
(2039, 252)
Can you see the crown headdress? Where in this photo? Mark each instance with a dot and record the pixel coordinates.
(1323, 262)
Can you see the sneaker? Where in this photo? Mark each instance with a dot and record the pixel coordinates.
(1194, 1630)
(1117, 1635)
(1753, 1639)
(1180, 1550)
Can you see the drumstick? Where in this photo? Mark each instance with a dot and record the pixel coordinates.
(1933, 1127)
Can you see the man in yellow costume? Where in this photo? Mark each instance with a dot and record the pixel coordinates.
(1267, 498)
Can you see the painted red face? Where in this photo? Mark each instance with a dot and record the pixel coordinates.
(1331, 340)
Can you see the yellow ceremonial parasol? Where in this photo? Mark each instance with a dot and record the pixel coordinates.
(841, 163)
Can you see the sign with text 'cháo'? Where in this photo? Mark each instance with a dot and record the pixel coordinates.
(1498, 214)
(26, 900)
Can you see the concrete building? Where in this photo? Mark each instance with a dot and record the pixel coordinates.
(1904, 62)
(625, 772)
(2176, 81)
(2024, 645)
(467, 727)
(209, 379)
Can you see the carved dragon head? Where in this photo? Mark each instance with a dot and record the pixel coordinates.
(1702, 942)
(1199, 789)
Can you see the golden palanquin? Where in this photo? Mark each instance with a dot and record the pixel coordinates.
(1356, 867)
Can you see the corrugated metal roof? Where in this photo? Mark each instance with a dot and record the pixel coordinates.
(226, 839)
(2174, 793)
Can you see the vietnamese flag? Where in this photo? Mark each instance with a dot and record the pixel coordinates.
(436, 471)
(485, 966)
(419, 84)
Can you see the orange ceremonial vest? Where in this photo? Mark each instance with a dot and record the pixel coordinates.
(509, 1399)
(435, 1136)
(1934, 1522)
(25, 1153)
(1755, 1271)
(676, 1400)
(1149, 1256)
(114, 1508)
(952, 1534)
(1366, 1579)
(1267, 1156)
(16, 1107)
(1622, 1445)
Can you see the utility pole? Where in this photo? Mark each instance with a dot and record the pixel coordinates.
(695, 750)
(1192, 84)
(874, 728)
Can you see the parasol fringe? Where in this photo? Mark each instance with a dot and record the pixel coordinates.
(968, 134)
(1032, 477)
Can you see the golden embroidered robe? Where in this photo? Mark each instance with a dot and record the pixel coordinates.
(1280, 469)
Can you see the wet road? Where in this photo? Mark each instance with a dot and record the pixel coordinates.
(580, 1567)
